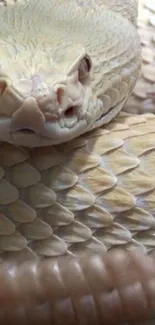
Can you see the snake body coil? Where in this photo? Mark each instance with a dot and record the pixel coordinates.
(110, 289)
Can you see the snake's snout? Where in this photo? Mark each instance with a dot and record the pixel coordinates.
(28, 117)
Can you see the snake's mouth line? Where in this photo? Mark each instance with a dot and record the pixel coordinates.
(26, 131)
(110, 110)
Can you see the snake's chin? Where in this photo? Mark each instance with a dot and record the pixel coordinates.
(54, 133)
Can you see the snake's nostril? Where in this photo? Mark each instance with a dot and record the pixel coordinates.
(70, 112)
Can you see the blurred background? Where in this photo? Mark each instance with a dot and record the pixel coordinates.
(143, 98)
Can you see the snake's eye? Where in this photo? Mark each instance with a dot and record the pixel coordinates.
(84, 68)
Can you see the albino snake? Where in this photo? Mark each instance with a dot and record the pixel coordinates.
(76, 177)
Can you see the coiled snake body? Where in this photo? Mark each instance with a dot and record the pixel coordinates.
(70, 181)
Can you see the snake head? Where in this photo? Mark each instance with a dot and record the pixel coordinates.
(60, 78)
(49, 106)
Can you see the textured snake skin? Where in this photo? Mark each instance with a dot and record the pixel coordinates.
(93, 193)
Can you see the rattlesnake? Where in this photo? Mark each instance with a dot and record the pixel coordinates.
(62, 79)
(70, 181)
